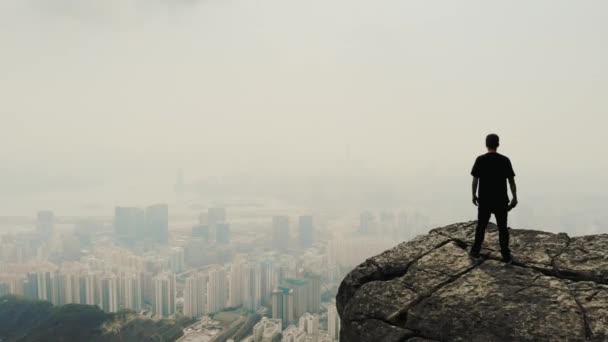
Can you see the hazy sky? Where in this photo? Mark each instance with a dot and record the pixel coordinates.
(116, 91)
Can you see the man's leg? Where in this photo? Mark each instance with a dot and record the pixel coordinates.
(483, 217)
(503, 233)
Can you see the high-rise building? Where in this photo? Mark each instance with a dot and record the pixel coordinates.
(222, 233)
(164, 295)
(267, 330)
(333, 322)
(157, 222)
(128, 223)
(314, 292)
(57, 288)
(109, 293)
(309, 323)
(195, 295)
(252, 286)
(216, 289)
(270, 278)
(306, 294)
(45, 221)
(45, 288)
(30, 286)
(305, 231)
(215, 216)
(280, 233)
(235, 291)
(176, 259)
(282, 304)
(70, 290)
(92, 288)
(300, 296)
(132, 291)
(367, 223)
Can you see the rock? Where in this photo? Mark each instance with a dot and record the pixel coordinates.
(428, 289)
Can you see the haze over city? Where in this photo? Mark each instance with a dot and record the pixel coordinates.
(119, 118)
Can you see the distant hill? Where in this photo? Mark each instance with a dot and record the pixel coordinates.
(25, 320)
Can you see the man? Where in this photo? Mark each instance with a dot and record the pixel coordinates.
(491, 172)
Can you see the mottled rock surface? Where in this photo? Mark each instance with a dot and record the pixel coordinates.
(428, 289)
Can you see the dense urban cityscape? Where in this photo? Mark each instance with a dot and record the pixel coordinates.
(233, 273)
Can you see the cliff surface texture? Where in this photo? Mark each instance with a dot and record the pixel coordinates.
(428, 289)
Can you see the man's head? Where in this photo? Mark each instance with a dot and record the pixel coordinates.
(492, 142)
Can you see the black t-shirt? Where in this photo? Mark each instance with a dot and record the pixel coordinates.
(493, 169)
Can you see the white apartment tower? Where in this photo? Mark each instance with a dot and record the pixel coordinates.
(195, 295)
(333, 322)
(164, 295)
(216, 289)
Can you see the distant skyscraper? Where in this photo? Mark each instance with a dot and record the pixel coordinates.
(157, 222)
(305, 230)
(280, 233)
(222, 233)
(333, 322)
(164, 295)
(282, 304)
(70, 287)
(31, 286)
(314, 292)
(306, 294)
(45, 221)
(176, 259)
(93, 289)
(252, 286)
(300, 296)
(215, 216)
(235, 291)
(132, 291)
(270, 278)
(216, 289)
(44, 285)
(367, 223)
(128, 223)
(195, 295)
(109, 293)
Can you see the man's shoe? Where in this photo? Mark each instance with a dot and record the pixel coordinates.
(509, 262)
(474, 257)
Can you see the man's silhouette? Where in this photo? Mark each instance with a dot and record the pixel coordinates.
(491, 172)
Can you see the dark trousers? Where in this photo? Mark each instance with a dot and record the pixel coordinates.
(483, 217)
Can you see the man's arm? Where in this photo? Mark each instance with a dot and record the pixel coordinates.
(513, 192)
(475, 183)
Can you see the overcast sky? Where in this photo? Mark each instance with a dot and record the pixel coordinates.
(116, 91)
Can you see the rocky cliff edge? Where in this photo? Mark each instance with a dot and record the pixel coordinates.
(428, 289)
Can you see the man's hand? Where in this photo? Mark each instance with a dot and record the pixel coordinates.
(476, 201)
(513, 203)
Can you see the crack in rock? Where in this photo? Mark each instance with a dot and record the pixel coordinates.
(429, 266)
